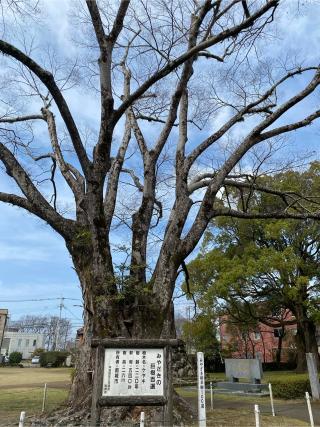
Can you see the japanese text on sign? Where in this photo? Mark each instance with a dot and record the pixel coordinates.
(133, 372)
(201, 391)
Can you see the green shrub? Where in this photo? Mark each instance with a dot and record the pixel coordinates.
(38, 352)
(15, 357)
(292, 389)
(54, 358)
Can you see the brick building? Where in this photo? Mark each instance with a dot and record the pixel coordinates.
(260, 341)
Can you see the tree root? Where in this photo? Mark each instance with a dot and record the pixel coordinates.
(117, 416)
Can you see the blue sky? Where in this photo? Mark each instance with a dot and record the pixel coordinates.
(34, 263)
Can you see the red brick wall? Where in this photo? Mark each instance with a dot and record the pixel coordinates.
(258, 342)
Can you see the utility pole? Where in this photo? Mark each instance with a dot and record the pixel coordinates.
(61, 306)
(188, 344)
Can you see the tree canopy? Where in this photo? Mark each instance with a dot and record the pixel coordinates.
(258, 269)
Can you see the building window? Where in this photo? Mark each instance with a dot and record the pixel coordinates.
(27, 343)
(34, 343)
(278, 332)
(19, 342)
(257, 335)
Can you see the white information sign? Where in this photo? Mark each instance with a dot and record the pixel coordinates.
(201, 391)
(133, 372)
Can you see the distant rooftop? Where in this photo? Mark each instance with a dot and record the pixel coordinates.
(12, 329)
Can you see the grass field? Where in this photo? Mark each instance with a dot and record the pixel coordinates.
(22, 390)
(17, 376)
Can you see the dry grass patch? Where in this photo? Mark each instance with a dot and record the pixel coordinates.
(241, 418)
(13, 377)
(21, 389)
(13, 401)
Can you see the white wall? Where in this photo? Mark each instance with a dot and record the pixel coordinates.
(24, 342)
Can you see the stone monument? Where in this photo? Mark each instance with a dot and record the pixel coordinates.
(250, 369)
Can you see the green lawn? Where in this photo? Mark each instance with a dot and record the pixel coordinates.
(29, 400)
(21, 389)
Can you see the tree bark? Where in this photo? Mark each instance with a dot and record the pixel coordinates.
(305, 339)
(107, 315)
(279, 349)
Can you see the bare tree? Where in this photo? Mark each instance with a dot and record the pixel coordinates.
(164, 71)
(57, 331)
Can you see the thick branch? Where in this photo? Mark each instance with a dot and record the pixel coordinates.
(264, 215)
(34, 202)
(47, 79)
(70, 173)
(251, 108)
(106, 45)
(111, 193)
(21, 118)
(211, 41)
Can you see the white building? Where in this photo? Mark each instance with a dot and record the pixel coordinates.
(24, 342)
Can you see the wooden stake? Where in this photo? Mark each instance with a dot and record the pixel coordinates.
(142, 419)
(257, 415)
(271, 400)
(22, 417)
(44, 397)
(309, 409)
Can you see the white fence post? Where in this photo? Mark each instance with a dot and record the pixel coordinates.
(44, 397)
(309, 409)
(271, 400)
(211, 395)
(201, 391)
(142, 419)
(257, 415)
(22, 417)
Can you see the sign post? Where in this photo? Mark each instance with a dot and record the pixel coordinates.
(132, 372)
(309, 409)
(271, 400)
(201, 391)
(313, 375)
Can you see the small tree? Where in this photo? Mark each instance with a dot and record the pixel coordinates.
(38, 352)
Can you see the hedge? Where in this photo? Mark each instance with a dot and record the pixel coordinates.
(54, 358)
(292, 389)
(15, 357)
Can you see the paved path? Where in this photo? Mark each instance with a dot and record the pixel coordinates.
(292, 409)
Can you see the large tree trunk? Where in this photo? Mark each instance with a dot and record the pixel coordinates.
(137, 315)
(305, 339)
(279, 349)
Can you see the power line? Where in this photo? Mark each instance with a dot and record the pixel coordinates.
(76, 317)
(40, 299)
